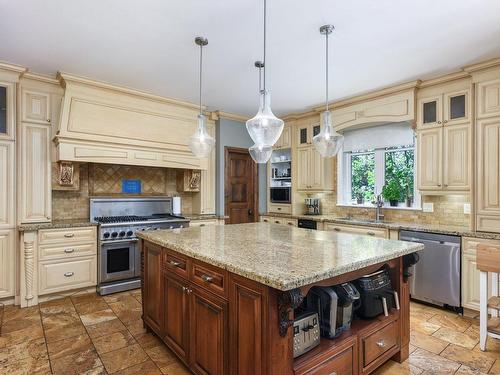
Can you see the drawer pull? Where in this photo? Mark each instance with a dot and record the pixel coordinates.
(69, 251)
(370, 233)
(69, 235)
(381, 344)
(277, 222)
(279, 208)
(174, 263)
(207, 278)
(69, 274)
(336, 229)
(202, 225)
(290, 223)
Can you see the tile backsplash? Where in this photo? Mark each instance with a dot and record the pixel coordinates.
(106, 180)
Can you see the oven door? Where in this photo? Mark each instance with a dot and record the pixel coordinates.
(118, 260)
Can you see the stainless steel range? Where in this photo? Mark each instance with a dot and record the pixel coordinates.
(118, 252)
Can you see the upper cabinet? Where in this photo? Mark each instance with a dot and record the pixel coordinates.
(305, 133)
(285, 140)
(444, 138)
(7, 110)
(36, 107)
(488, 98)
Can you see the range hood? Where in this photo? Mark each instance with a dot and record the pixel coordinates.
(103, 123)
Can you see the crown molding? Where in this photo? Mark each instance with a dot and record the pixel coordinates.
(444, 79)
(12, 67)
(216, 115)
(492, 63)
(41, 78)
(67, 77)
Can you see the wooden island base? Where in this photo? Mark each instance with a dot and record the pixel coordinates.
(218, 322)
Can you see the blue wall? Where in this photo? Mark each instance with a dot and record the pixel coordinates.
(234, 134)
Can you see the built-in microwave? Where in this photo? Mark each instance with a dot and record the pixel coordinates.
(281, 194)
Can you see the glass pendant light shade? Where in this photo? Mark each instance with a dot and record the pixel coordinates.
(328, 142)
(265, 128)
(201, 143)
(261, 153)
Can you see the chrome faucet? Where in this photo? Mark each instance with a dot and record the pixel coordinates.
(379, 203)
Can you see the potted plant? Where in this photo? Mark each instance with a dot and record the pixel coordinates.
(360, 195)
(392, 192)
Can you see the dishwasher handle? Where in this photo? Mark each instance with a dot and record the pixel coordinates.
(424, 241)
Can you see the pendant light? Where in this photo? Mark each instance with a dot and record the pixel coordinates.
(265, 128)
(201, 143)
(328, 142)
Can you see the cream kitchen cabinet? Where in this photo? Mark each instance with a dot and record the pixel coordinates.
(448, 108)
(305, 134)
(36, 107)
(444, 158)
(314, 173)
(488, 98)
(7, 110)
(488, 174)
(285, 140)
(35, 203)
(7, 183)
(7, 261)
(357, 229)
(470, 273)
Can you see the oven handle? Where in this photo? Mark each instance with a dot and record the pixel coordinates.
(120, 241)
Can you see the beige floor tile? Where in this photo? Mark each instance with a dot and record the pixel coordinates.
(60, 319)
(492, 348)
(428, 361)
(69, 346)
(114, 341)
(97, 317)
(31, 322)
(144, 368)
(116, 297)
(76, 363)
(495, 369)
(455, 322)
(27, 366)
(128, 309)
(176, 369)
(473, 359)
(33, 350)
(395, 368)
(91, 306)
(54, 308)
(64, 332)
(161, 356)
(122, 358)
(136, 327)
(429, 343)
(148, 340)
(12, 312)
(85, 297)
(466, 370)
(56, 302)
(423, 326)
(105, 328)
(95, 371)
(457, 338)
(20, 336)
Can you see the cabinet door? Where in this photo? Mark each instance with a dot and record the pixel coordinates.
(303, 135)
(488, 98)
(7, 110)
(176, 315)
(7, 195)
(153, 287)
(457, 157)
(488, 160)
(208, 333)
(7, 269)
(430, 112)
(285, 140)
(470, 281)
(430, 156)
(35, 184)
(456, 107)
(316, 171)
(303, 168)
(36, 107)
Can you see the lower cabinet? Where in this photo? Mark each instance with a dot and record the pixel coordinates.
(470, 273)
(357, 229)
(152, 263)
(7, 257)
(176, 309)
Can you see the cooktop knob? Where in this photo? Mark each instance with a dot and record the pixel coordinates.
(106, 235)
(114, 234)
(129, 233)
(122, 233)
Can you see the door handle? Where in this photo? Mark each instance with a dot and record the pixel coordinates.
(250, 211)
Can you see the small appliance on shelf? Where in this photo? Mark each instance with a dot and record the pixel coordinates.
(313, 206)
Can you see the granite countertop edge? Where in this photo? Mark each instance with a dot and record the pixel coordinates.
(463, 232)
(59, 224)
(275, 282)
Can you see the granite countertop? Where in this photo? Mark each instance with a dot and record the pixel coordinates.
(72, 223)
(280, 256)
(419, 227)
(205, 217)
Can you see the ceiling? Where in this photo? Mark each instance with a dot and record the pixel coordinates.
(148, 44)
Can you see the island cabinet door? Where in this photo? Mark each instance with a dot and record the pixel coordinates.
(153, 287)
(176, 315)
(207, 333)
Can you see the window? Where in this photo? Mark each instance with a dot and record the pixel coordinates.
(372, 157)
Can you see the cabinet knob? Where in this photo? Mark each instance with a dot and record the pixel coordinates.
(445, 121)
(48, 120)
(207, 278)
(370, 233)
(439, 122)
(174, 263)
(336, 229)
(445, 185)
(69, 235)
(69, 274)
(439, 185)
(69, 250)
(381, 343)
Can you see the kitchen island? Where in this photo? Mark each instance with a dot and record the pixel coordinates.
(223, 297)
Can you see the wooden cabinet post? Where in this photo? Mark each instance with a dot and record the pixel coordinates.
(153, 287)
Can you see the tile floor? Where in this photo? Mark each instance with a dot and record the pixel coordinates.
(92, 335)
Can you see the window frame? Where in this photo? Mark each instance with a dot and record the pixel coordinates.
(344, 180)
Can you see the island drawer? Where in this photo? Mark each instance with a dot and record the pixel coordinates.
(342, 363)
(177, 264)
(209, 277)
(66, 235)
(379, 342)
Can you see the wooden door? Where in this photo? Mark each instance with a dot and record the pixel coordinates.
(430, 156)
(457, 157)
(153, 286)
(303, 168)
(176, 315)
(208, 336)
(35, 186)
(240, 186)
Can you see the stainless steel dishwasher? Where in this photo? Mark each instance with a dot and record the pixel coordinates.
(436, 277)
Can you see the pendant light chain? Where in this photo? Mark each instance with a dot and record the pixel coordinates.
(201, 70)
(326, 70)
(264, 59)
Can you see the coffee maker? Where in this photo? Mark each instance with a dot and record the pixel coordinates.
(312, 206)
